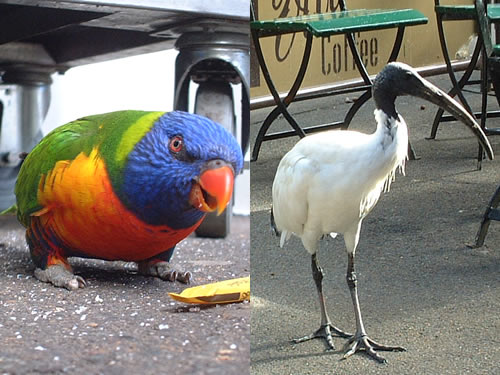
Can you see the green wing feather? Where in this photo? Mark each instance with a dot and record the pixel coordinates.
(113, 134)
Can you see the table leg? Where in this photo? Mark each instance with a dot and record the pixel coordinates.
(364, 74)
(397, 44)
(281, 104)
(355, 108)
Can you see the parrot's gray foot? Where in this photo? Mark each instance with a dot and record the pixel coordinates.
(60, 276)
(363, 342)
(164, 271)
(324, 332)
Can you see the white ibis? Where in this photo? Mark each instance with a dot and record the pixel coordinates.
(328, 182)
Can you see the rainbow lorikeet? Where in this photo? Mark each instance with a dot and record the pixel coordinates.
(126, 185)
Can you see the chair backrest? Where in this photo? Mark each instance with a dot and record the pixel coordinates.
(484, 25)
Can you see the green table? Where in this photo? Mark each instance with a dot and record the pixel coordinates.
(323, 25)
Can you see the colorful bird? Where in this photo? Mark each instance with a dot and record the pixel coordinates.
(328, 182)
(126, 185)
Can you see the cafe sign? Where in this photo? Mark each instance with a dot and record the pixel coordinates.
(331, 60)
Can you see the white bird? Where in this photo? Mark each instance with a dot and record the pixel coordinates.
(328, 182)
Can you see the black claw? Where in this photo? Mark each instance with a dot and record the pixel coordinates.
(378, 346)
(359, 343)
(324, 332)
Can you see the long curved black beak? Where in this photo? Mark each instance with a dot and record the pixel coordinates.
(435, 95)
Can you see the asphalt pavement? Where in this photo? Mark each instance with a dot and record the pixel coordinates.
(420, 285)
(123, 323)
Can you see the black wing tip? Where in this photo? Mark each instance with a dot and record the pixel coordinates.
(273, 224)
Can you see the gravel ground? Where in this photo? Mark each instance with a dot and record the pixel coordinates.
(123, 323)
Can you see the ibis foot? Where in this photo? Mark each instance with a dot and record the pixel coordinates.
(60, 276)
(369, 346)
(324, 332)
(164, 271)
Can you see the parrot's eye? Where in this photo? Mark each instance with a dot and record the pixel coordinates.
(176, 144)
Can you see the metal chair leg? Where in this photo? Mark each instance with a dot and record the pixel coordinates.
(461, 83)
(491, 213)
(457, 88)
(484, 103)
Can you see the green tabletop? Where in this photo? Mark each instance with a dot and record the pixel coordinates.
(341, 22)
(466, 12)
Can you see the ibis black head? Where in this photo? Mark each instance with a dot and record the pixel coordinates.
(398, 79)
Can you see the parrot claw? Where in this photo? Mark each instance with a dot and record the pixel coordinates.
(184, 277)
(60, 276)
(169, 275)
(164, 271)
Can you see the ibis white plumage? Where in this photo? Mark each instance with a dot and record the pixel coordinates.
(328, 182)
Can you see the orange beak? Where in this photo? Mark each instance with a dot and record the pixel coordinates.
(213, 189)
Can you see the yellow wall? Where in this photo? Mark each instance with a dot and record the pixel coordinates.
(331, 60)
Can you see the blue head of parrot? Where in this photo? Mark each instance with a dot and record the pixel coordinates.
(182, 168)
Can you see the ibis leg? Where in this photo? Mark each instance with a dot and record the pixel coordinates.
(360, 340)
(326, 329)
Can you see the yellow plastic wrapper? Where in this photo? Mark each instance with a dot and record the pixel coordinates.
(228, 291)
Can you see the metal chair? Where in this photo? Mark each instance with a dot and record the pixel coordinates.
(459, 13)
(491, 72)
